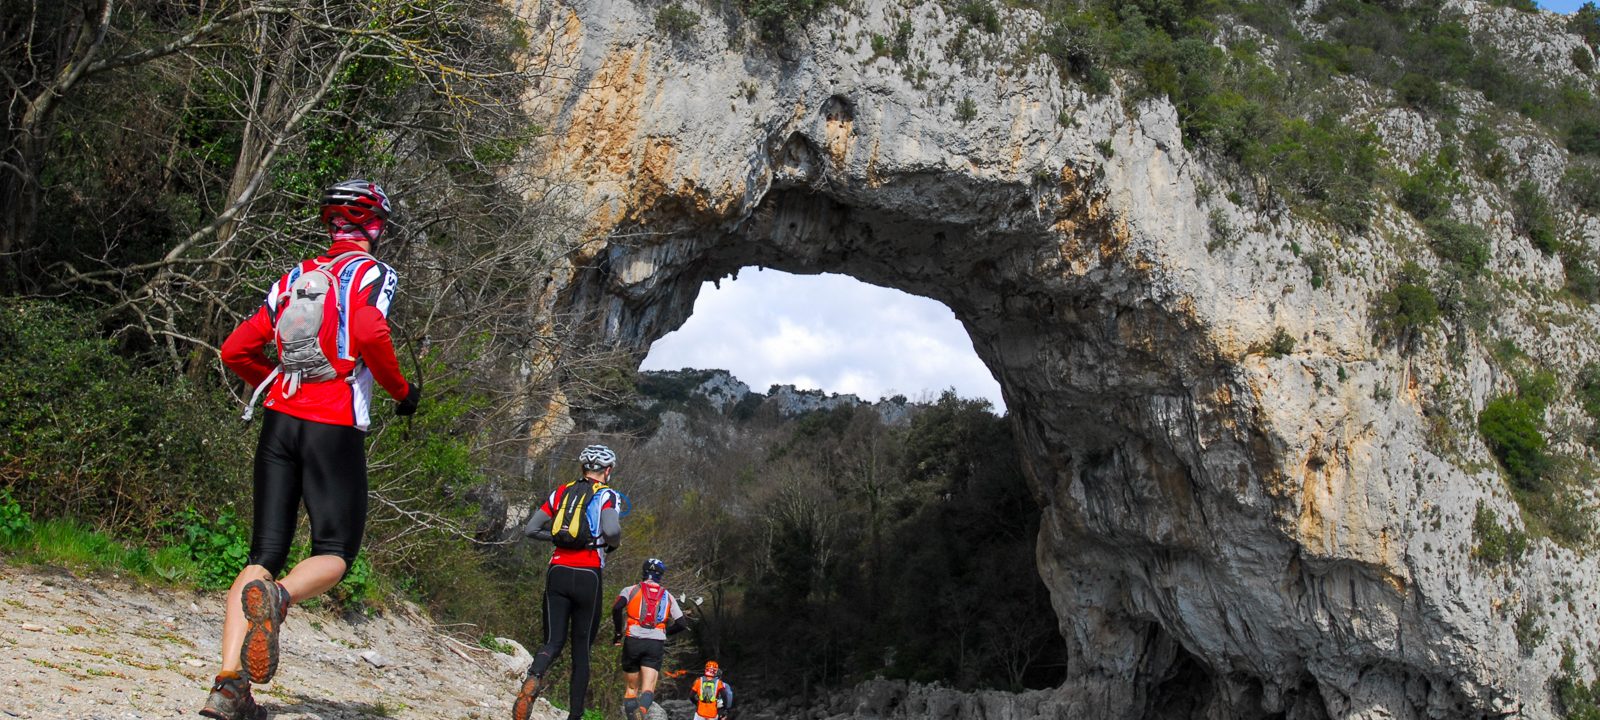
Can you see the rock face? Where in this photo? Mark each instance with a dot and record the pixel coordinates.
(1228, 533)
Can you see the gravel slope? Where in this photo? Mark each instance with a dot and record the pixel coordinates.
(101, 647)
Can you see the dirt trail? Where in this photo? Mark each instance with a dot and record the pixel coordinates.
(90, 647)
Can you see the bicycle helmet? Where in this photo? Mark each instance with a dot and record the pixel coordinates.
(357, 202)
(654, 569)
(597, 457)
(712, 669)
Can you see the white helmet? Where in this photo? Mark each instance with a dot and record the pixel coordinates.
(597, 457)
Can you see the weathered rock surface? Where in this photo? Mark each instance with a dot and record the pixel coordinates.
(1228, 533)
(93, 648)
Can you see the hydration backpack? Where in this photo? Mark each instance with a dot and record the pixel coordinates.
(297, 331)
(576, 524)
(648, 609)
(708, 692)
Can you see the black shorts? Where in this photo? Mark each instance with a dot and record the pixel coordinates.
(642, 652)
(325, 466)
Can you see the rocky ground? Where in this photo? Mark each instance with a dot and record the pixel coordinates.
(102, 647)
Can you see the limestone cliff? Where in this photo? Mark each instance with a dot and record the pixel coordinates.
(1229, 533)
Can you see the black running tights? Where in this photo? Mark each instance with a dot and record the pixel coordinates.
(324, 465)
(571, 597)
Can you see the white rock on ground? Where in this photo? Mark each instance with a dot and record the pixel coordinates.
(98, 648)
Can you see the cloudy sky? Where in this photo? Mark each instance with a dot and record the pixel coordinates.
(830, 332)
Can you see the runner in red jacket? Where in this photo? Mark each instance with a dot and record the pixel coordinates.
(311, 445)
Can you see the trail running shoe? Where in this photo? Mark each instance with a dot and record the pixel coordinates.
(266, 604)
(523, 707)
(230, 700)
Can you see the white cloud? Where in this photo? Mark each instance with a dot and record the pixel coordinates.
(769, 327)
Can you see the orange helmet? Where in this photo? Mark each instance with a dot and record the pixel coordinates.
(712, 669)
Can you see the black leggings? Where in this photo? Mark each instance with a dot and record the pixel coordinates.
(571, 595)
(324, 464)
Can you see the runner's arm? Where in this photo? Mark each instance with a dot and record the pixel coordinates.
(676, 627)
(618, 609)
(727, 697)
(538, 526)
(676, 612)
(610, 528)
(244, 352)
(375, 346)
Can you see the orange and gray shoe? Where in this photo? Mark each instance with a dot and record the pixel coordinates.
(231, 700)
(523, 707)
(266, 603)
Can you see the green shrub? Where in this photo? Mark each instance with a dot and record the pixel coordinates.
(1583, 136)
(1407, 309)
(1528, 631)
(1078, 45)
(966, 110)
(1582, 280)
(1427, 194)
(15, 523)
(1586, 22)
(675, 19)
(1494, 543)
(1588, 389)
(1575, 699)
(1582, 183)
(981, 13)
(901, 49)
(1511, 426)
(1534, 218)
(1460, 244)
(218, 546)
(91, 434)
(1281, 344)
(1423, 93)
(776, 17)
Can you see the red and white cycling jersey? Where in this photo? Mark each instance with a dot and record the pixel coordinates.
(355, 339)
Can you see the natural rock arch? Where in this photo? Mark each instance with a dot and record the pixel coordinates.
(1226, 534)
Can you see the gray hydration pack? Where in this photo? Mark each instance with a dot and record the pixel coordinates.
(298, 330)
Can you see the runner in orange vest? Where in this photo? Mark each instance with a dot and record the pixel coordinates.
(712, 696)
(651, 614)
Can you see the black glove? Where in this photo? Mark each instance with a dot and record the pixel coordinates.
(616, 639)
(408, 406)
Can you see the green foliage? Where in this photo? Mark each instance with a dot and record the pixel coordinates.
(1528, 631)
(1407, 309)
(1281, 344)
(1427, 193)
(1582, 183)
(776, 17)
(218, 546)
(675, 19)
(1494, 543)
(900, 50)
(981, 14)
(1331, 162)
(1511, 426)
(1583, 137)
(1582, 280)
(15, 523)
(1589, 389)
(1462, 245)
(89, 433)
(1223, 233)
(966, 109)
(1577, 700)
(1586, 22)
(1534, 217)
